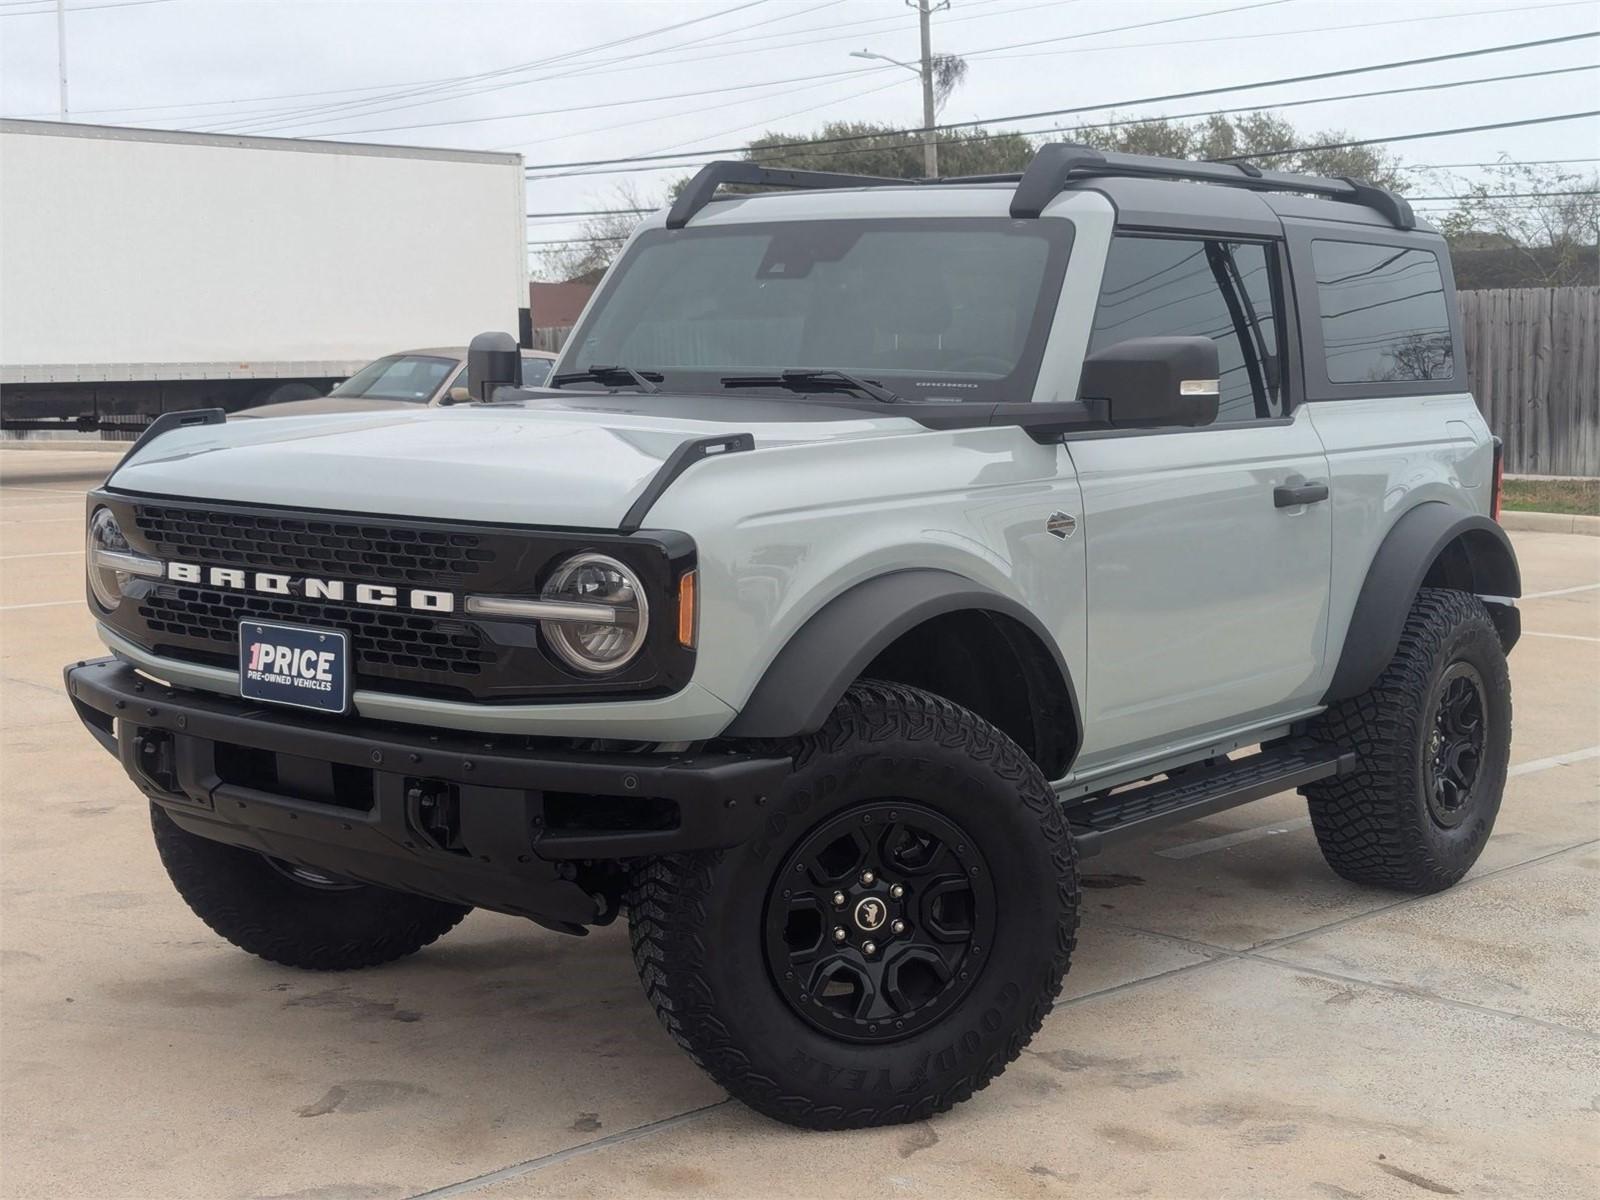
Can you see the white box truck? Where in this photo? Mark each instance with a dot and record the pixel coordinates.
(145, 271)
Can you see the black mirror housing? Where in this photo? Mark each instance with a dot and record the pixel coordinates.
(1150, 382)
(493, 361)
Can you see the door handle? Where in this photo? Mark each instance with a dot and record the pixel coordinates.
(1289, 495)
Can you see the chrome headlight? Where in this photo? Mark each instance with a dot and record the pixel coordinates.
(111, 563)
(606, 623)
(593, 612)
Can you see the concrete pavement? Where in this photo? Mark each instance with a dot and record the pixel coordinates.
(1238, 1021)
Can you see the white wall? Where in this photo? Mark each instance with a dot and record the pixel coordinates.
(118, 251)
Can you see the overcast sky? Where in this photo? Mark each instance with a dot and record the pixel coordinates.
(392, 70)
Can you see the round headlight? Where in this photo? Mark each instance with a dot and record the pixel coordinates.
(105, 538)
(604, 583)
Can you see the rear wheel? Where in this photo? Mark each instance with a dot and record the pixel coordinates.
(1433, 736)
(295, 915)
(889, 941)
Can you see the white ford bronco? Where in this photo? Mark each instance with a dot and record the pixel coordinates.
(877, 551)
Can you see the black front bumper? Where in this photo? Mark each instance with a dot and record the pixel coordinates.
(491, 822)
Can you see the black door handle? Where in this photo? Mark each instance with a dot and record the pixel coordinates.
(1290, 494)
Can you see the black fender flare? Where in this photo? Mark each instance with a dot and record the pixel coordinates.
(831, 650)
(1485, 564)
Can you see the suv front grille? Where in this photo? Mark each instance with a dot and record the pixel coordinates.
(341, 548)
(385, 644)
(399, 650)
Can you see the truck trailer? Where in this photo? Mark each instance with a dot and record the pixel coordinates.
(144, 271)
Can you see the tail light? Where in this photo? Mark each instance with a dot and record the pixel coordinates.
(1499, 478)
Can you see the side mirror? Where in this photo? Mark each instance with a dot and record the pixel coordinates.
(493, 361)
(1155, 381)
(456, 395)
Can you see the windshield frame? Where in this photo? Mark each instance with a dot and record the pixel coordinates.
(1018, 386)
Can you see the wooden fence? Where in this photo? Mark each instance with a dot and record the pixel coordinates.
(1533, 362)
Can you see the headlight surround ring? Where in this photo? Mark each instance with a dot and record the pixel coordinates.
(105, 544)
(597, 648)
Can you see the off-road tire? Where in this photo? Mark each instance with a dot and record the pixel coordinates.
(259, 908)
(1375, 824)
(697, 920)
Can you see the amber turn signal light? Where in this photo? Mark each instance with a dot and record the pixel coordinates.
(687, 616)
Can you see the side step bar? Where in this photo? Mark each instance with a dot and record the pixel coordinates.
(1200, 791)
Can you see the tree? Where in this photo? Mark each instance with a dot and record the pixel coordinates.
(1540, 224)
(885, 150)
(1254, 133)
(597, 241)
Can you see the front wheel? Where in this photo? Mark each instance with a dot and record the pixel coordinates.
(1432, 736)
(294, 915)
(890, 940)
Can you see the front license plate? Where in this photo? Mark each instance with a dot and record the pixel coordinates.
(290, 664)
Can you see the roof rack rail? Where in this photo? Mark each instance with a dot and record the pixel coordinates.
(700, 189)
(1057, 163)
(1051, 169)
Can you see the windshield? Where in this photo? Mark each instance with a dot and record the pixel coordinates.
(414, 377)
(535, 370)
(947, 309)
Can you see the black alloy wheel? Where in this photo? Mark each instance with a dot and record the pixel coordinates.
(877, 921)
(1454, 753)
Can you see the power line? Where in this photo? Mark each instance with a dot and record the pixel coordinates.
(51, 10)
(1412, 137)
(327, 111)
(1058, 112)
(1235, 37)
(850, 73)
(259, 126)
(395, 86)
(1499, 162)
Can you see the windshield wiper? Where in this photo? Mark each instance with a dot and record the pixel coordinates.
(823, 380)
(645, 381)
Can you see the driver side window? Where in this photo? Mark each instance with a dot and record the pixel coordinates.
(1226, 291)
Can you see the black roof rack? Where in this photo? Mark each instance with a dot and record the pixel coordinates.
(1057, 163)
(698, 191)
(1052, 168)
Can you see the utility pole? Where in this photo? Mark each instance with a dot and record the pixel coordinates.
(930, 144)
(61, 51)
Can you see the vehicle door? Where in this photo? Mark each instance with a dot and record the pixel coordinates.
(1208, 549)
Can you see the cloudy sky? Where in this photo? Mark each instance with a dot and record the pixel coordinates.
(564, 81)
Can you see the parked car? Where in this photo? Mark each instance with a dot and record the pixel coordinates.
(415, 377)
(877, 552)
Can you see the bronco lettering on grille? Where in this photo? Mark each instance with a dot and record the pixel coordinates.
(375, 595)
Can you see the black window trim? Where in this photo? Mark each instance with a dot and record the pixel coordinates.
(1285, 315)
(1318, 386)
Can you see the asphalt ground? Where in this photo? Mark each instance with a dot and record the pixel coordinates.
(1238, 1021)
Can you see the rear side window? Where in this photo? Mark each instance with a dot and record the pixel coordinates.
(1384, 316)
(1226, 291)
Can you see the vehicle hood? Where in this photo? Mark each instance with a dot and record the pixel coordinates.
(319, 404)
(577, 462)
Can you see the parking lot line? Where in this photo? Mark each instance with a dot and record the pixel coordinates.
(1555, 760)
(40, 604)
(1567, 591)
(43, 554)
(14, 487)
(1222, 842)
(1566, 637)
(518, 1170)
